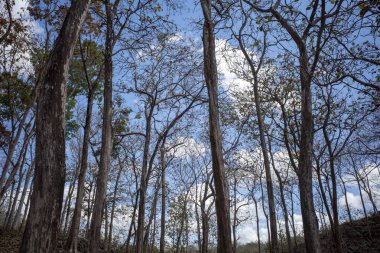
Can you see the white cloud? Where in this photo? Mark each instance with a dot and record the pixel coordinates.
(352, 199)
(231, 82)
(187, 147)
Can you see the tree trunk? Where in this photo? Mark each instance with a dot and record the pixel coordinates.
(114, 204)
(23, 194)
(10, 203)
(163, 199)
(284, 207)
(143, 184)
(105, 155)
(152, 210)
(46, 201)
(12, 211)
(11, 148)
(257, 224)
(264, 210)
(72, 240)
(26, 211)
(263, 144)
(67, 206)
(305, 166)
(19, 162)
(211, 78)
(345, 199)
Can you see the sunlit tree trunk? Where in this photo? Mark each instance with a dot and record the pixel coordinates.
(106, 148)
(211, 78)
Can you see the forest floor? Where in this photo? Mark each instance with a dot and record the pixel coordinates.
(361, 235)
(358, 236)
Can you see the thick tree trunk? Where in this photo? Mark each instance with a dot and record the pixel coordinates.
(46, 201)
(105, 155)
(211, 78)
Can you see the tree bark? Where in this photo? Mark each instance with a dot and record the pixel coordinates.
(105, 155)
(72, 240)
(211, 78)
(282, 195)
(163, 199)
(46, 201)
(114, 204)
(257, 224)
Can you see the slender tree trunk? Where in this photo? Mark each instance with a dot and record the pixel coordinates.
(105, 215)
(323, 194)
(72, 241)
(211, 78)
(361, 197)
(46, 201)
(305, 166)
(11, 149)
(292, 218)
(89, 208)
(26, 211)
(12, 211)
(234, 221)
(153, 211)
(67, 206)
(16, 219)
(257, 224)
(282, 195)
(264, 147)
(132, 222)
(105, 155)
(197, 217)
(163, 199)
(264, 211)
(11, 200)
(16, 167)
(334, 199)
(114, 204)
(142, 190)
(346, 200)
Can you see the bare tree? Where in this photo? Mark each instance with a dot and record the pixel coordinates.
(211, 79)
